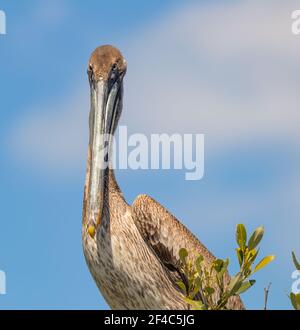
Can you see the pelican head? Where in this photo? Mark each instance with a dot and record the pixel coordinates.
(106, 71)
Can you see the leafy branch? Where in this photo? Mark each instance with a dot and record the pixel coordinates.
(295, 297)
(207, 286)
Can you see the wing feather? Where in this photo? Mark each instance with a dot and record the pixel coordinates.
(166, 236)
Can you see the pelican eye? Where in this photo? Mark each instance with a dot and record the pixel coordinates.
(90, 72)
(114, 67)
(114, 74)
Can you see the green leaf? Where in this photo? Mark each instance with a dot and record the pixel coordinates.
(191, 281)
(263, 263)
(196, 305)
(209, 290)
(198, 264)
(197, 286)
(241, 235)
(183, 255)
(181, 286)
(245, 286)
(247, 272)
(218, 265)
(298, 301)
(295, 300)
(235, 284)
(223, 270)
(252, 255)
(240, 256)
(296, 262)
(256, 238)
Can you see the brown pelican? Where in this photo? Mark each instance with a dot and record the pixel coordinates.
(131, 251)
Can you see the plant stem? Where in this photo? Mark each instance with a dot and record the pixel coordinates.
(267, 289)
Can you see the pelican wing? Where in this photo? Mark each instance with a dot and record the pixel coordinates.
(166, 236)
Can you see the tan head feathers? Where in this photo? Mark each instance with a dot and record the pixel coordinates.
(104, 59)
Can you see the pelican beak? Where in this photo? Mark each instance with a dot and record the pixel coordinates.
(106, 97)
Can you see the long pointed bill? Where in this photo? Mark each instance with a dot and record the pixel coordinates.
(104, 102)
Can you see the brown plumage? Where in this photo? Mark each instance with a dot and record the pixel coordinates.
(131, 251)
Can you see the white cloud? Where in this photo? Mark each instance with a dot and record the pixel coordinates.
(229, 71)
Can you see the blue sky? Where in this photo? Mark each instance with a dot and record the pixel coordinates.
(227, 70)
